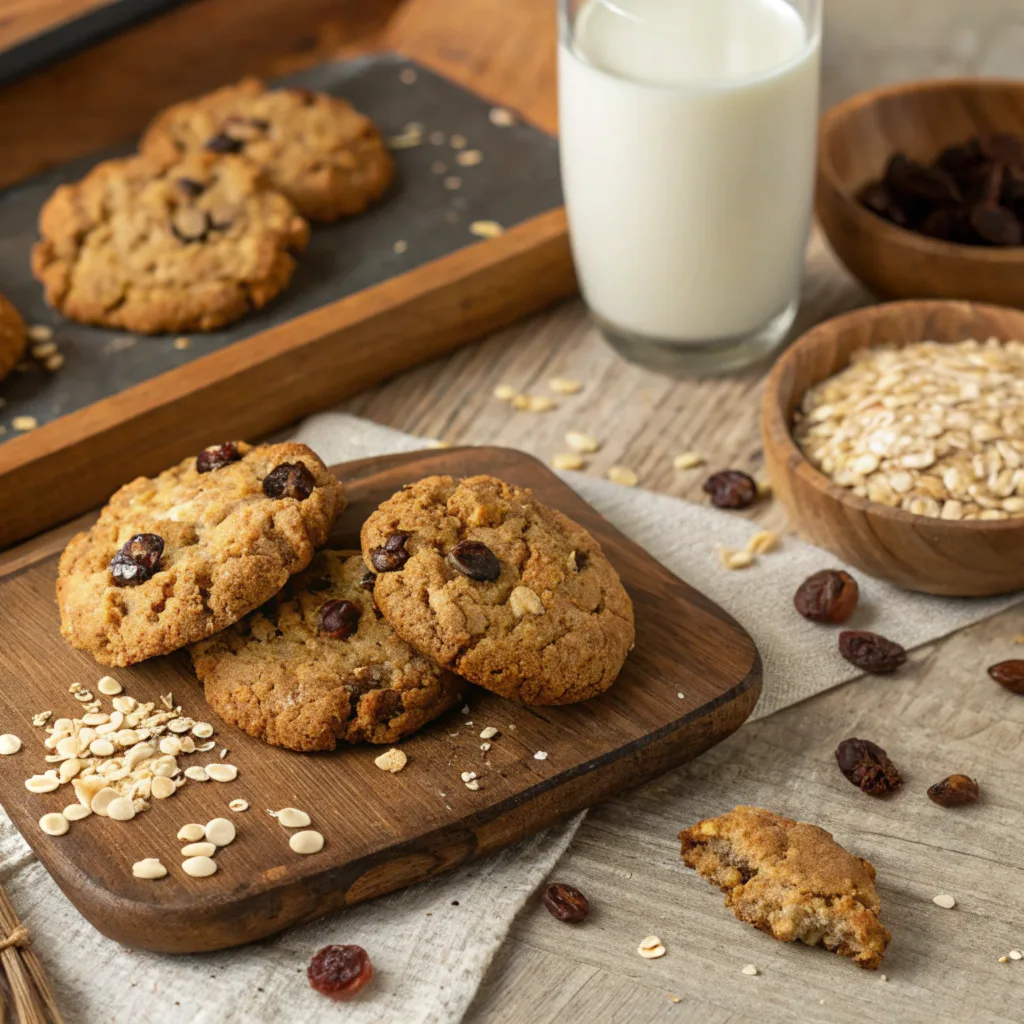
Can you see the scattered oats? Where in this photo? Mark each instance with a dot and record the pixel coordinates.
(149, 867)
(504, 393)
(688, 460)
(468, 776)
(238, 805)
(486, 229)
(469, 158)
(751, 970)
(202, 730)
(220, 831)
(1017, 640)
(458, 142)
(24, 423)
(170, 745)
(583, 443)
(393, 760)
(223, 753)
(568, 461)
(204, 748)
(883, 977)
(306, 842)
(465, 709)
(162, 787)
(45, 783)
(292, 817)
(763, 542)
(39, 332)
(485, 747)
(501, 117)
(181, 343)
(732, 559)
(101, 748)
(54, 824)
(520, 401)
(524, 601)
(453, 182)
(565, 385)
(674, 998)
(946, 902)
(9, 743)
(451, 216)
(44, 350)
(622, 475)
(473, 785)
(541, 403)
(1016, 954)
(541, 755)
(85, 696)
(651, 948)
(180, 725)
(199, 867)
(76, 812)
(120, 809)
(95, 718)
(167, 699)
(489, 733)
(764, 487)
(1004, 959)
(191, 833)
(399, 247)
(407, 140)
(407, 76)
(200, 849)
(42, 718)
(54, 363)
(197, 773)
(222, 772)
(437, 137)
(439, 167)
(681, 696)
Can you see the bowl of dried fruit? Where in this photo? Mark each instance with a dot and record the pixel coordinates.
(894, 436)
(921, 189)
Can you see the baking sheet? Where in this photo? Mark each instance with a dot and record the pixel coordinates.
(516, 179)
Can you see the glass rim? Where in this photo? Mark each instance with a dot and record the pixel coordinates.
(812, 21)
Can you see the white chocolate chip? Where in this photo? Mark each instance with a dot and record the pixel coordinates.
(198, 850)
(9, 743)
(306, 842)
(199, 867)
(651, 948)
(393, 760)
(292, 817)
(191, 833)
(222, 772)
(109, 686)
(149, 867)
(54, 824)
(220, 831)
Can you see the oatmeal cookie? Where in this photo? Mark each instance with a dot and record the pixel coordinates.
(174, 559)
(325, 156)
(790, 879)
(12, 337)
(184, 244)
(317, 665)
(481, 577)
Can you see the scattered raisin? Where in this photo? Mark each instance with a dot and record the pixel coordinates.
(392, 554)
(475, 560)
(289, 480)
(827, 596)
(368, 580)
(137, 561)
(566, 903)
(338, 619)
(1009, 674)
(955, 791)
(223, 143)
(339, 972)
(868, 767)
(731, 489)
(871, 652)
(217, 456)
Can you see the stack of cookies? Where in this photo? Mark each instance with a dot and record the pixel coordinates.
(205, 222)
(458, 581)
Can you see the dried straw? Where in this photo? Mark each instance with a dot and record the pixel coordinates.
(26, 989)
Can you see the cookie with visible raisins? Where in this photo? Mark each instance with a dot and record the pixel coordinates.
(484, 579)
(174, 559)
(317, 666)
(157, 245)
(13, 338)
(325, 156)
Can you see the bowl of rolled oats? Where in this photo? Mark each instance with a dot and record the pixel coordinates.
(894, 436)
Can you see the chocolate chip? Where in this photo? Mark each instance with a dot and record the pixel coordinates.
(392, 554)
(475, 560)
(190, 224)
(216, 456)
(289, 480)
(137, 560)
(223, 143)
(338, 619)
(190, 187)
(368, 580)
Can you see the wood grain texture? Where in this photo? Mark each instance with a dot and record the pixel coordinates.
(936, 556)
(23, 19)
(383, 831)
(858, 137)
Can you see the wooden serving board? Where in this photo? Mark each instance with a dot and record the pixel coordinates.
(693, 677)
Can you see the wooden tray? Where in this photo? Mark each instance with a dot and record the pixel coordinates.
(693, 677)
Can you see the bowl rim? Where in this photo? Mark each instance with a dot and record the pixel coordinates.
(832, 122)
(777, 431)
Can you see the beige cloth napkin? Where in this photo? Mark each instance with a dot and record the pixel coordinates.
(430, 955)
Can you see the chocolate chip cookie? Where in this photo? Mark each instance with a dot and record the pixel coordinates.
(790, 879)
(149, 244)
(325, 156)
(174, 559)
(12, 337)
(317, 665)
(481, 577)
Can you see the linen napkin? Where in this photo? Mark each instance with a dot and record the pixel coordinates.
(432, 944)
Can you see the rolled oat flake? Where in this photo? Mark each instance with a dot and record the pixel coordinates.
(9, 743)
(54, 824)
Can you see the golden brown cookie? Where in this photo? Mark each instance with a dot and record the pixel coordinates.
(174, 559)
(12, 337)
(183, 244)
(325, 156)
(790, 879)
(481, 577)
(317, 665)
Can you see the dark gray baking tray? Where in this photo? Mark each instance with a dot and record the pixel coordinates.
(517, 179)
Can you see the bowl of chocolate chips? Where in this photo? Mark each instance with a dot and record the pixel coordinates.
(921, 189)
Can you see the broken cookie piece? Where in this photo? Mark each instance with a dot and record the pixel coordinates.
(790, 879)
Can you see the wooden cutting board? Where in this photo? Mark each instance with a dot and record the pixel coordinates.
(693, 677)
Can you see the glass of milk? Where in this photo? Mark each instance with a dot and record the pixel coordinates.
(688, 131)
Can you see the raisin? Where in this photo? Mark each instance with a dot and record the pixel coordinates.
(475, 560)
(191, 187)
(223, 143)
(137, 561)
(217, 456)
(827, 596)
(289, 480)
(1009, 674)
(392, 554)
(868, 767)
(955, 791)
(338, 619)
(871, 652)
(368, 580)
(731, 489)
(566, 903)
(339, 972)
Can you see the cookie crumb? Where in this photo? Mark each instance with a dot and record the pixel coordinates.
(944, 901)
(469, 158)
(651, 948)
(750, 970)
(393, 760)
(681, 696)
(473, 784)
(24, 423)
(541, 755)
(486, 229)
(182, 343)
(501, 117)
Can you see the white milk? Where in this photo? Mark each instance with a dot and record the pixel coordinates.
(688, 136)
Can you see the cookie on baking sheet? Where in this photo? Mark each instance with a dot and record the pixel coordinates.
(174, 559)
(151, 245)
(790, 879)
(317, 665)
(481, 577)
(325, 156)
(13, 338)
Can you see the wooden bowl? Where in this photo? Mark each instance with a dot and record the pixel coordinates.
(856, 140)
(936, 556)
